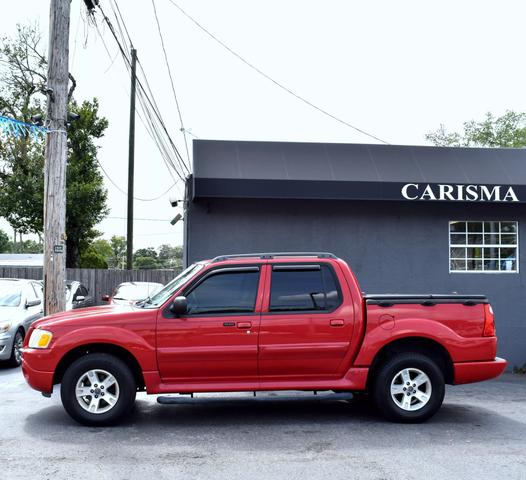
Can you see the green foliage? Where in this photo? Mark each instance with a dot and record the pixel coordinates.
(508, 130)
(146, 258)
(5, 244)
(27, 246)
(102, 247)
(85, 193)
(90, 258)
(22, 76)
(171, 257)
(166, 257)
(118, 252)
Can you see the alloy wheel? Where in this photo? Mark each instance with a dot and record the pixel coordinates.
(97, 391)
(411, 389)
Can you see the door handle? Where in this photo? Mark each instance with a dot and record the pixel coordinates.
(244, 324)
(337, 322)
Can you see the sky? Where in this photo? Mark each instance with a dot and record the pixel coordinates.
(394, 69)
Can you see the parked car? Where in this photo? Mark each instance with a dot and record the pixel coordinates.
(265, 322)
(77, 296)
(131, 292)
(20, 305)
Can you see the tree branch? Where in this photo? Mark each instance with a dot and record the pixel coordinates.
(73, 86)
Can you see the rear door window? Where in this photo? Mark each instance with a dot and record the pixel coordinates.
(303, 288)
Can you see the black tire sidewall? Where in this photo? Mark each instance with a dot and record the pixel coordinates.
(12, 360)
(382, 387)
(113, 365)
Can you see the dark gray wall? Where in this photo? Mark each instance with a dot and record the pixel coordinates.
(393, 247)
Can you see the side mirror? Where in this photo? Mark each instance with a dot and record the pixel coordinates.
(179, 306)
(80, 298)
(33, 303)
(105, 298)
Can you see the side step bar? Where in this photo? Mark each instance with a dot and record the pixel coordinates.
(264, 397)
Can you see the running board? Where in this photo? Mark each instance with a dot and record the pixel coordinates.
(263, 398)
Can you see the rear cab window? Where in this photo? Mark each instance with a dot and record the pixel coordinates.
(304, 287)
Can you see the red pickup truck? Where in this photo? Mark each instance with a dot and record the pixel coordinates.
(253, 322)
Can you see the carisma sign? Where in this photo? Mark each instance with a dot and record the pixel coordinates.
(459, 193)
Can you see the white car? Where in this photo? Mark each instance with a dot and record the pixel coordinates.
(21, 303)
(132, 292)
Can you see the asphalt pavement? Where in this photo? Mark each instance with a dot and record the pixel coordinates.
(480, 433)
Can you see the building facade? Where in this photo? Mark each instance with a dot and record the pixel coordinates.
(407, 219)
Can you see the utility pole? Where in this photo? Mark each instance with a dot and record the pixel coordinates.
(131, 162)
(56, 158)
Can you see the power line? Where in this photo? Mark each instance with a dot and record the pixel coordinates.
(268, 77)
(141, 219)
(171, 81)
(126, 193)
(148, 105)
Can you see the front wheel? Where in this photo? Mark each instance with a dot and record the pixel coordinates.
(15, 360)
(409, 388)
(98, 389)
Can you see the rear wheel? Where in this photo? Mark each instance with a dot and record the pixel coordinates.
(98, 389)
(409, 388)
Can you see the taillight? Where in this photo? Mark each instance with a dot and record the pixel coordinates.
(489, 321)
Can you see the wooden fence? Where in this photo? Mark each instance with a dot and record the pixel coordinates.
(98, 282)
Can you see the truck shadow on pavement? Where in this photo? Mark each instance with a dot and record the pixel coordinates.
(248, 423)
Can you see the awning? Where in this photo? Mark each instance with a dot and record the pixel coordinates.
(241, 169)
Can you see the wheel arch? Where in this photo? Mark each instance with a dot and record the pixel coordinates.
(111, 349)
(423, 345)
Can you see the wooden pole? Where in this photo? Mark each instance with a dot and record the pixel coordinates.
(56, 159)
(131, 162)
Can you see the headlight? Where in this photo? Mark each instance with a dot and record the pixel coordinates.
(40, 339)
(5, 326)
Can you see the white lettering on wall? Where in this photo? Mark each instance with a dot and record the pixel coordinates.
(459, 193)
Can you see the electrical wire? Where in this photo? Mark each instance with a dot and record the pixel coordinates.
(141, 219)
(275, 82)
(150, 98)
(151, 110)
(171, 80)
(126, 193)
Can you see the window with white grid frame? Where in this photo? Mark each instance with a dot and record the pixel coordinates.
(483, 247)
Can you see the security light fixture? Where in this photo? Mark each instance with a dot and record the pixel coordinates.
(176, 219)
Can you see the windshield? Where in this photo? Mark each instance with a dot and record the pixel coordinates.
(136, 291)
(170, 288)
(10, 294)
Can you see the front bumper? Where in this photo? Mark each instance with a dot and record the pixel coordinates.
(6, 345)
(470, 372)
(37, 379)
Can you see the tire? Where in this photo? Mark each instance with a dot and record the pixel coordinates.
(15, 360)
(108, 386)
(391, 389)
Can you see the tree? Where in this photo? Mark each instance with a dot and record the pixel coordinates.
(508, 130)
(102, 247)
(90, 258)
(118, 252)
(23, 76)
(145, 258)
(5, 244)
(170, 257)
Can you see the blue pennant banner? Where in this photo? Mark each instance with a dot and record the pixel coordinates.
(16, 128)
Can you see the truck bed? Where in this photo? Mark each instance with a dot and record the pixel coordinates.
(388, 299)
